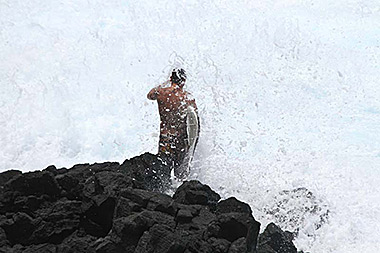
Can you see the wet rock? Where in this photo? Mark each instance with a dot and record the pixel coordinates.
(162, 203)
(232, 205)
(71, 186)
(43, 248)
(193, 192)
(107, 245)
(34, 183)
(131, 228)
(3, 238)
(125, 207)
(219, 245)
(238, 246)
(113, 208)
(56, 222)
(274, 240)
(234, 220)
(159, 239)
(148, 172)
(184, 215)
(18, 228)
(52, 169)
(8, 175)
(97, 220)
(77, 243)
(138, 196)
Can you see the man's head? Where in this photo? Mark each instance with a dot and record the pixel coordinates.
(178, 77)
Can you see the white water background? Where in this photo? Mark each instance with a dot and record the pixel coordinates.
(288, 92)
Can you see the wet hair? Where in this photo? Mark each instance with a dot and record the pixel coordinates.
(178, 76)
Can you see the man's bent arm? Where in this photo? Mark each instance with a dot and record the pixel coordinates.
(152, 95)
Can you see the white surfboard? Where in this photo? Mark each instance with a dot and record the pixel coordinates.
(192, 128)
(192, 125)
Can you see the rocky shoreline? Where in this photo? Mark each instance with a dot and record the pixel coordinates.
(111, 207)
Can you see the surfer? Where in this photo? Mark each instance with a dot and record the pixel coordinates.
(179, 127)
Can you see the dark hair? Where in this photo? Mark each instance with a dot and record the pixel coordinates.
(178, 76)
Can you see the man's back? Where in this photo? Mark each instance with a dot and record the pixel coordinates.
(172, 106)
(175, 106)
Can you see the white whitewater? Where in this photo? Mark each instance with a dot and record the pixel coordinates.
(288, 95)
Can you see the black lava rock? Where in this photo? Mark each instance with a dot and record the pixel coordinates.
(113, 208)
(193, 192)
(274, 240)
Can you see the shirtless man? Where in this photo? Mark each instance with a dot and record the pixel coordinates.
(179, 128)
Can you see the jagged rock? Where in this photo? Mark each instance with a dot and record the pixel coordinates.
(3, 238)
(8, 175)
(43, 248)
(98, 219)
(159, 239)
(107, 245)
(131, 228)
(77, 243)
(28, 204)
(232, 205)
(71, 186)
(52, 169)
(149, 171)
(125, 207)
(162, 203)
(203, 218)
(184, 215)
(138, 196)
(56, 222)
(234, 215)
(18, 228)
(219, 245)
(113, 208)
(238, 246)
(274, 240)
(193, 192)
(34, 183)
(234, 220)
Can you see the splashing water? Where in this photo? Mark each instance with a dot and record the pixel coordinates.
(287, 91)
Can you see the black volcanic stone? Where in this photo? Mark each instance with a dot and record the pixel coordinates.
(234, 221)
(8, 175)
(98, 218)
(56, 222)
(52, 169)
(274, 240)
(77, 243)
(148, 172)
(3, 238)
(232, 205)
(238, 246)
(193, 192)
(113, 208)
(18, 228)
(34, 183)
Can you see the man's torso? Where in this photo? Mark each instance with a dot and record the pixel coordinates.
(172, 106)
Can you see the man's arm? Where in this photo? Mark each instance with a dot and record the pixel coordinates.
(153, 93)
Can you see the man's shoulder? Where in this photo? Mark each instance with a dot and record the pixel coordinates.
(165, 90)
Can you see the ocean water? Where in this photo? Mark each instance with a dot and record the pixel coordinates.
(288, 93)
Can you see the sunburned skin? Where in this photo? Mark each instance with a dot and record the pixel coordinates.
(172, 106)
(173, 103)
